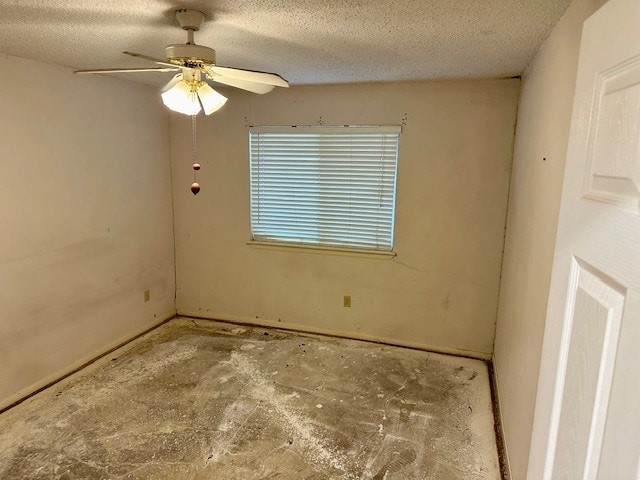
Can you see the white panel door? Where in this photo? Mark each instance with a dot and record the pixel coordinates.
(587, 422)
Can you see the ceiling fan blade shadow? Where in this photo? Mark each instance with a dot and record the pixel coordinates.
(129, 70)
(250, 76)
(159, 61)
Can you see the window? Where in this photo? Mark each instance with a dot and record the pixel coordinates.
(324, 186)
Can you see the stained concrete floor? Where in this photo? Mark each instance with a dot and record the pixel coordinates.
(196, 399)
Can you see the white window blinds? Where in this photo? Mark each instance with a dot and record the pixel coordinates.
(324, 186)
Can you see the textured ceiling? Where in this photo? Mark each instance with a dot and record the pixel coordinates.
(306, 41)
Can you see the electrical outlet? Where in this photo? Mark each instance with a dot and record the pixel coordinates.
(147, 295)
(346, 301)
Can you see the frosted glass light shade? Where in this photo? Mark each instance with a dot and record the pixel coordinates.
(210, 99)
(177, 96)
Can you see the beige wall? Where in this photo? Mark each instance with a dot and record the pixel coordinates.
(440, 291)
(542, 133)
(85, 216)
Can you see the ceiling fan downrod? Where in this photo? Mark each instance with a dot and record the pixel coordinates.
(191, 21)
(190, 54)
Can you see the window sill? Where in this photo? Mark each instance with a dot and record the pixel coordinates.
(345, 252)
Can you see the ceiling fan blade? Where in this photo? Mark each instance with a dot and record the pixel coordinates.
(130, 70)
(242, 84)
(250, 76)
(259, 88)
(159, 61)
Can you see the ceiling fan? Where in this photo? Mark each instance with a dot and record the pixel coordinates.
(188, 91)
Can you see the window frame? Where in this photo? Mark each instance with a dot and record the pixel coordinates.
(320, 247)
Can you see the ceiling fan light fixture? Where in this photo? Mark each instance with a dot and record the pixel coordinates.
(179, 96)
(211, 100)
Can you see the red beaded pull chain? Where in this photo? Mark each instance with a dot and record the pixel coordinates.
(195, 186)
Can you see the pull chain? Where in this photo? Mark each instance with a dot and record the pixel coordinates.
(195, 186)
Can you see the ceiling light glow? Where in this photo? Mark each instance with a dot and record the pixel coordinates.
(185, 97)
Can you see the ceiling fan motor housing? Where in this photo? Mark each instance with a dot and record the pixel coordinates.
(191, 55)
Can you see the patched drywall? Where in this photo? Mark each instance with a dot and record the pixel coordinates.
(86, 219)
(441, 289)
(538, 169)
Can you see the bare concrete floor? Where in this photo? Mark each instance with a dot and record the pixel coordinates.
(204, 400)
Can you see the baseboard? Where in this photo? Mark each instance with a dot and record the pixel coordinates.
(240, 320)
(56, 377)
(503, 454)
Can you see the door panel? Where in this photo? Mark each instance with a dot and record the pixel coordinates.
(594, 311)
(613, 157)
(620, 454)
